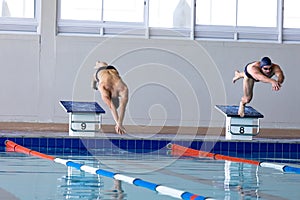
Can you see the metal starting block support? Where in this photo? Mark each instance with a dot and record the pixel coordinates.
(85, 118)
(240, 128)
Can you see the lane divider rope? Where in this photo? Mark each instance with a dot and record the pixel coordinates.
(164, 190)
(179, 150)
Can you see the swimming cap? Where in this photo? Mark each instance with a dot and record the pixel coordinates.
(265, 61)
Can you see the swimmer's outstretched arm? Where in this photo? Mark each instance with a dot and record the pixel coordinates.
(279, 73)
(259, 76)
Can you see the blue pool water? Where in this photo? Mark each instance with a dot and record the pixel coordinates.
(25, 177)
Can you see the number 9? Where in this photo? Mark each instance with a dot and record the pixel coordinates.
(83, 126)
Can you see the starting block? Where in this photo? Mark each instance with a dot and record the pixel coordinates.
(84, 117)
(240, 128)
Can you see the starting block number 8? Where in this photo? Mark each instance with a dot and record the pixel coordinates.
(242, 130)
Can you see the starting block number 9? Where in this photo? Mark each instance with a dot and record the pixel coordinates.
(83, 126)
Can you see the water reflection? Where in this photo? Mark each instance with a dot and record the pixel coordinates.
(78, 184)
(116, 193)
(242, 178)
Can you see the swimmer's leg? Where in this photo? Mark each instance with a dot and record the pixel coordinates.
(248, 94)
(241, 111)
(238, 75)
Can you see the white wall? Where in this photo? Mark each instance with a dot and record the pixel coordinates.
(171, 82)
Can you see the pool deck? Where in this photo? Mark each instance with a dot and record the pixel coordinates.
(23, 129)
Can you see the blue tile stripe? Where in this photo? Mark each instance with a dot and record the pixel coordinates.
(89, 146)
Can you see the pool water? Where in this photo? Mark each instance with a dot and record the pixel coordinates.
(27, 178)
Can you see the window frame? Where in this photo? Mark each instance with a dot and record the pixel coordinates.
(276, 34)
(100, 27)
(22, 25)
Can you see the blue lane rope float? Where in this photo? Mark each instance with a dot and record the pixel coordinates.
(184, 151)
(164, 190)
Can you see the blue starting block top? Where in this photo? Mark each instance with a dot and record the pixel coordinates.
(232, 111)
(82, 107)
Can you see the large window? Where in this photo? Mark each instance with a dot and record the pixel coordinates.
(248, 20)
(237, 20)
(104, 17)
(291, 14)
(216, 12)
(81, 10)
(17, 8)
(111, 10)
(170, 14)
(123, 11)
(257, 13)
(18, 15)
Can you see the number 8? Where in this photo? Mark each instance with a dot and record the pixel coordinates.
(242, 130)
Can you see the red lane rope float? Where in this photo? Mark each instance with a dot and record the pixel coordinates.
(178, 150)
(20, 149)
(184, 151)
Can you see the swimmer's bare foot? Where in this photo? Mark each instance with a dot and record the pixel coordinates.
(241, 110)
(237, 76)
(120, 129)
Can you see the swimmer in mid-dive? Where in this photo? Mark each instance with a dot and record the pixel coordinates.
(114, 92)
(257, 71)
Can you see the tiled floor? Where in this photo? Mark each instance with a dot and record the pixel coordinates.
(61, 130)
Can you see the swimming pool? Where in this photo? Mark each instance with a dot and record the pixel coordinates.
(32, 178)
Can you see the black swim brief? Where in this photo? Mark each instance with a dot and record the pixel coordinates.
(103, 68)
(247, 73)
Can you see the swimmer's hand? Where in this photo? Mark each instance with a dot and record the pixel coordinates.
(120, 129)
(95, 88)
(94, 85)
(276, 85)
